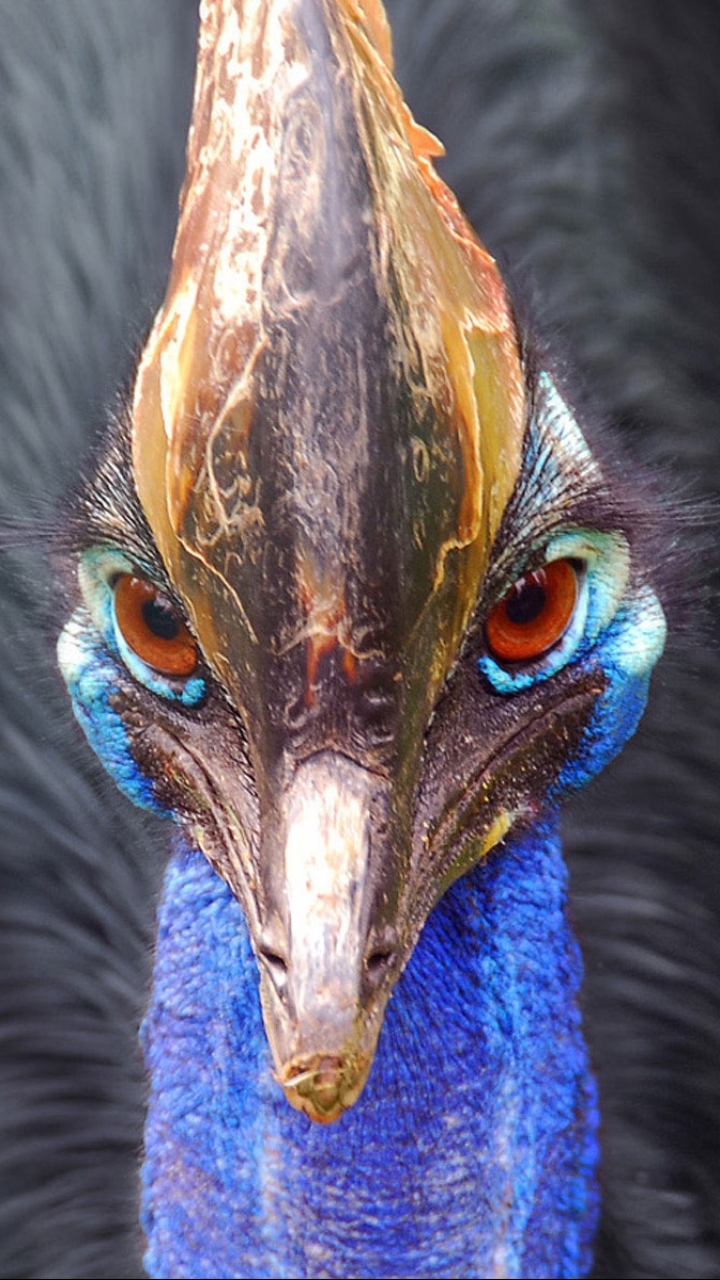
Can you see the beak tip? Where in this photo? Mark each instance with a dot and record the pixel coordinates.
(324, 1086)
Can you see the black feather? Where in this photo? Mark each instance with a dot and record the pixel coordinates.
(582, 140)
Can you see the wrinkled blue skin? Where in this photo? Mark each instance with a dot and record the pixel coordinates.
(473, 1149)
(476, 1130)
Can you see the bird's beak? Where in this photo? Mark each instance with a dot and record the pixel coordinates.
(325, 952)
(327, 427)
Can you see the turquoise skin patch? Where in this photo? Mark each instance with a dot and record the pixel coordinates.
(90, 672)
(627, 653)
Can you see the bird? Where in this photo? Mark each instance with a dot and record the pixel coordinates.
(199, 918)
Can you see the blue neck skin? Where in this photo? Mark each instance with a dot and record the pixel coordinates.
(472, 1151)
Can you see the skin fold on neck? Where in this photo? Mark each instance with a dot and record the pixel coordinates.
(473, 1148)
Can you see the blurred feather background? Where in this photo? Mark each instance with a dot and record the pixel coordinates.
(583, 141)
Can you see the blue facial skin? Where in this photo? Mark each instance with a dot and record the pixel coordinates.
(629, 650)
(473, 1149)
(90, 671)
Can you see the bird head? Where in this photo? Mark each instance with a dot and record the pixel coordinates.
(355, 599)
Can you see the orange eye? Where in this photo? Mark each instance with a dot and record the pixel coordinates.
(153, 628)
(535, 613)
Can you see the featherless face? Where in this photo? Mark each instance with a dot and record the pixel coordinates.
(354, 600)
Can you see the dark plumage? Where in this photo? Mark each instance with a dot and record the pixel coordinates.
(583, 147)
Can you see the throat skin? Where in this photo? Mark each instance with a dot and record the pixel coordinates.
(472, 1150)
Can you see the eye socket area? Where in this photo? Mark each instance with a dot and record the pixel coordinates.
(535, 613)
(153, 628)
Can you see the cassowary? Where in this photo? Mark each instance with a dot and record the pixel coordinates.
(472, 1147)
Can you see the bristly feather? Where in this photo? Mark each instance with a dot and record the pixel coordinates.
(670, 526)
(95, 107)
(103, 508)
(609, 200)
(608, 193)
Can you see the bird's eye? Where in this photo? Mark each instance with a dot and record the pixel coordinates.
(153, 628)
(535, 613)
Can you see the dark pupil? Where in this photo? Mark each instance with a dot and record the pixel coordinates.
(161, 618)
(527, 600)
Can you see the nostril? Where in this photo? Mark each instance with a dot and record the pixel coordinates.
(378, 962)
(277, 967)
(381, 954)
